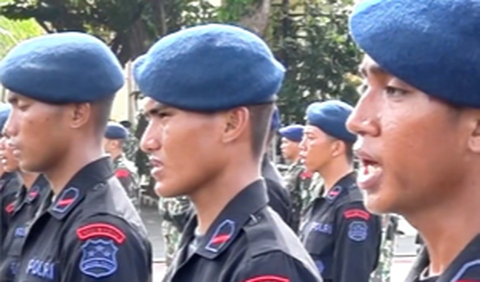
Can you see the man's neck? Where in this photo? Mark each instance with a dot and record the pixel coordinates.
(115, 154)
(214, 196)
(71, 163)
(447, 228)
(28, 179)
(333, 172)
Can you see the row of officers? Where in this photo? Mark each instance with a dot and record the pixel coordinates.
(209, 96)
(66, 212)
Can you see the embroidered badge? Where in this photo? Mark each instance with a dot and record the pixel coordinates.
(66, 199)
(223, 233)
(99, 258)
(10, 207)
(320, 266)
(95, 230)
(268, 278)
(356, 213)
(358, 231)
(334, 193)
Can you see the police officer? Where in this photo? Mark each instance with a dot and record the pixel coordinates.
(22, 210)
(10, 183)
(125, 170)
(419, 122)
(297, 178)
(61, 88)
(279, 198)
(342, 237)
(209, 101)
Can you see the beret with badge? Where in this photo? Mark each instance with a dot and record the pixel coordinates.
(209, 68)
(331, 117)
(62, 68)
(431, 45)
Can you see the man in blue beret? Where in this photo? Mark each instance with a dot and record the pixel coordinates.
(61, 88)
(125, 170)
(209, 100)
(297, 178)
(31, 189)
(279, 198)
(418, 121)
(342, 237)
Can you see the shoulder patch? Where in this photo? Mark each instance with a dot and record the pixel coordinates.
(99, 258)
(122, 173)
(356, 213)
(358, 231)
(96, 230)
(268, 278)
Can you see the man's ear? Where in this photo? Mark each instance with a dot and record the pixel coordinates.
(236, 122)
(79, 114)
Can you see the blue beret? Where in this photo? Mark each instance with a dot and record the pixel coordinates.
(4, 113)
(276, 122)
(431, 45)
(115, 131)
(62, 68)
(209, 68)
(331, 117)
(292, 132)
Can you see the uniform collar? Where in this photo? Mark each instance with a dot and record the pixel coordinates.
(228, 224)
(86, 179)
(39, 188)
(342, 187)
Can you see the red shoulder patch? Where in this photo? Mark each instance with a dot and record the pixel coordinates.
(353, 213)
(268, 278)
(10, 207)
(96, 230)
(122, 173)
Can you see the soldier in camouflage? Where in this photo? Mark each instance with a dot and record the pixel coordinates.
(130, 145)
(125, 170)
(296, 178)
(175, 213)
(389, 228)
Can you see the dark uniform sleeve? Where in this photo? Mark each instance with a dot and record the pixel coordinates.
(358, 234)
(279, 200)
(106, 249)
(276, 267)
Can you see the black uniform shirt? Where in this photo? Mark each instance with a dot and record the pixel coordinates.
(10, 184)
(247, 242)
(464, 268)
(342, 237)
(24, 208)
(89, 232)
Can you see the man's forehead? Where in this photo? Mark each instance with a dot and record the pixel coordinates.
(368, 65)
(148, 104)
(310, 128)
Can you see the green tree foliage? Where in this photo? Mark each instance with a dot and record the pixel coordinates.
(310, 37)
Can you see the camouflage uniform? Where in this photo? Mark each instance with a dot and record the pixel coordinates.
(382, 272)
(175, 213)
(297, 181)
(130, 146)
(126, 172)
(314, 189)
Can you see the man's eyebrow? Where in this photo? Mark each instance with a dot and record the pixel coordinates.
(155, 109)
(364, 70)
